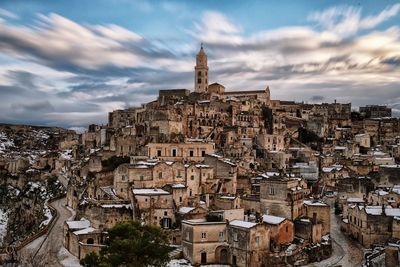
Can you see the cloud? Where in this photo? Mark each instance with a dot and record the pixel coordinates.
(7, 14)
(63, 44)
(346, 21)
(71, 74)
(214, 27)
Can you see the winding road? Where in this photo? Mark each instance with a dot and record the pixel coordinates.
(346, 252)
(48, 250)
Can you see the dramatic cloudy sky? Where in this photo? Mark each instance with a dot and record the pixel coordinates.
(69, 63)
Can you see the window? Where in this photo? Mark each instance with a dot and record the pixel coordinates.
(257, 241)
(159, 153)
(221, 236)
(203, 235)
(272, 191)
(235, 237)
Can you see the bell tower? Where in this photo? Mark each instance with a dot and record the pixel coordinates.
(201, 72)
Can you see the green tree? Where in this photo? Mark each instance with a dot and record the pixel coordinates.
(91, 260)
(132, 244)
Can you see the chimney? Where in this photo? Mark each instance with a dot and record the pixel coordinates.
(314, 218)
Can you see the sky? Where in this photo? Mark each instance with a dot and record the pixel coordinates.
(69, 63)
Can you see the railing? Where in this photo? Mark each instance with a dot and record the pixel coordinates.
(6, 250)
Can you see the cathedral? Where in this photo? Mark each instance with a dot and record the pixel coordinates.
(201, 83)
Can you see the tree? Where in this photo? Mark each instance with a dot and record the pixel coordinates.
(132, 244)
(91, 259)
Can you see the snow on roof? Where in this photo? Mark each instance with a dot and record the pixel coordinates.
(327, 169)
(117, 206)
(83, 223)
(355, 200)
(85, 231)
(229, 162)
(270, 219)
(149, 191)
(377, 210)
(378, 153)
(109, 190)
(242, 224)
(390, 166)
(191, 140)
(227, 197)
(202, 166)
(178, 186)
(382, 193)
(315, 203)
(215, 156)
(184, 210)
(394, 212)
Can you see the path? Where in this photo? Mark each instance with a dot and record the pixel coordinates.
(49, 248)
(346, 252)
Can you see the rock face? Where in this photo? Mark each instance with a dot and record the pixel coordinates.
(26, 184)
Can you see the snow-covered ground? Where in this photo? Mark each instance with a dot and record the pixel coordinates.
(3, 225)
(67, 259)
(5, 143)
(49, 216)
(183, 262)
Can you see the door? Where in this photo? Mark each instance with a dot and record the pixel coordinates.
(204, 258)
(233, 260)
(224, 256)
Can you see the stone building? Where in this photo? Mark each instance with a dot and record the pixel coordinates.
(248, 243)
(204, 242)
(154, 206)
(191, 150)
(201, 72)
(372, 224)
(283, 196)
(81, 239)
(375, 111)
(281, 231)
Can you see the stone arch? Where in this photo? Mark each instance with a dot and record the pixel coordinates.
(222, 255)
